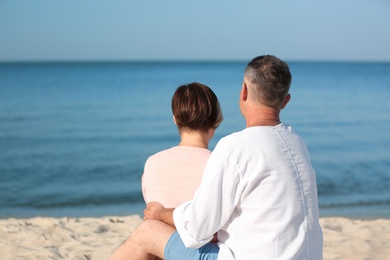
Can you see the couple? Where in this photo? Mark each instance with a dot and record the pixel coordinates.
(258, 191)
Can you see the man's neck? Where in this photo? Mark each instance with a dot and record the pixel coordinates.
(262, 116)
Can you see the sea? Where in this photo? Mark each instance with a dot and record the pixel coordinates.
(74, 137)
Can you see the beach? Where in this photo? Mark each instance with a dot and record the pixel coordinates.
(96, 238)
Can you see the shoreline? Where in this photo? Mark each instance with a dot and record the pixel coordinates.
(96, 238)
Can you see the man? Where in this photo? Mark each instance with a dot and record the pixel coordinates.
(258, 190)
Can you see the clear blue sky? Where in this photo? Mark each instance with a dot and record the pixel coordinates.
(352, 30)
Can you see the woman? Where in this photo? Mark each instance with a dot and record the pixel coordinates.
(172, 176)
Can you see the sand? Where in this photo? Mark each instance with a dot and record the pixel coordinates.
(96, 238)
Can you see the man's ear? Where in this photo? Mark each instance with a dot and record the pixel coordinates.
(174, 120)
(244, 92)
(286, 100)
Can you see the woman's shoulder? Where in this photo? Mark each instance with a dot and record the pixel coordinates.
(180, 151)
(160, 154)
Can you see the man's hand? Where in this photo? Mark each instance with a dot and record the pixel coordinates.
(156, 211)
(153, 210)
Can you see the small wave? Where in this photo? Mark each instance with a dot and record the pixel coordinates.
(41, 202)
(357, 203)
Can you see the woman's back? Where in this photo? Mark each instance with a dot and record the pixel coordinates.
(172, 176)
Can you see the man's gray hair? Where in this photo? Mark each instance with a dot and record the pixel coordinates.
(270, 78)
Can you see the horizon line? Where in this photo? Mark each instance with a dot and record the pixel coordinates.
(48, 61)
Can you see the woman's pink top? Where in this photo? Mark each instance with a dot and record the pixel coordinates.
(172, 176)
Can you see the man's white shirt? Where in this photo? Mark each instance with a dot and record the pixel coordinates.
(259, 193)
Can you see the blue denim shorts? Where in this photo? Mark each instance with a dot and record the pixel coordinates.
(175, 250)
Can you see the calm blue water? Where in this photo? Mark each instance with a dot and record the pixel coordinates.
(74, 136)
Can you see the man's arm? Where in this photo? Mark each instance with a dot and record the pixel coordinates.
(156, 211)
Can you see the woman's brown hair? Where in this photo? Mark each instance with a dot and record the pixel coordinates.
(196, 107)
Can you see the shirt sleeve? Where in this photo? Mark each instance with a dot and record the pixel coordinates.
(196, 221)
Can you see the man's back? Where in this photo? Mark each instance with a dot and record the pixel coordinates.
(278, 208)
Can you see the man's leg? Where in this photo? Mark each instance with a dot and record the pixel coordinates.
(149, 239)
